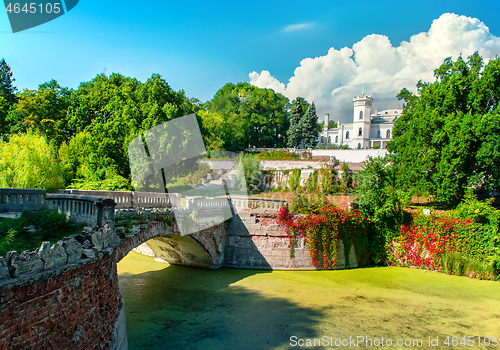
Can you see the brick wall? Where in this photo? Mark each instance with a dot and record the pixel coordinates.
(71, 308)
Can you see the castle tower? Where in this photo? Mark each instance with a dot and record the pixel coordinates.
(361, 121)
(327, 120)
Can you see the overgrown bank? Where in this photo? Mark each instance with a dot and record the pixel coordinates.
(462, 241)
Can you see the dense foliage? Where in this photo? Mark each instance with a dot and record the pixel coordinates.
(448, 135)
(245, 116)
(278, 155)
(91, 128)
(466, 242)
(27, 161)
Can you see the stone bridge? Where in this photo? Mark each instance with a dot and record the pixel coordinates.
(65, 295)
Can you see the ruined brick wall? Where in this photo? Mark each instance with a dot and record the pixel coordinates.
(74, 307)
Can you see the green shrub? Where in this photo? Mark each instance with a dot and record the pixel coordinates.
(28, 161)
(311, 184)
(329, 180)
(49, 224)
(249, 175)
(294, 180)
(277, 155)
(301, 204)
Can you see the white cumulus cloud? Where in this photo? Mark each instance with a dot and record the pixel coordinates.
(332, 80)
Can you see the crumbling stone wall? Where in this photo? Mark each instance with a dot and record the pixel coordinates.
(255, 241)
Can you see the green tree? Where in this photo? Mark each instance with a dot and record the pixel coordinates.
(42, 111)
(309, 130)
(214, 129)
(378, 198)
(7, 94)
(249, 174)
(295, 130)
(27, 161)
(7, 88)
(105, 115)
(252, 117)
(448, 135)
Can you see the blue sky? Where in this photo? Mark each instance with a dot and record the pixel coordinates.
(199, 46)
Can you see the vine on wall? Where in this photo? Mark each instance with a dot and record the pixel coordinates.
(323, 232)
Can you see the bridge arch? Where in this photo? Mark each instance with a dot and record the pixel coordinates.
(160, 231)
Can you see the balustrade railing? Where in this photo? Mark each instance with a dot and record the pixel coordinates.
(125, 199)
(91, 210)
(94, 207)
(239, 203)
(17, 199)
(268, 204)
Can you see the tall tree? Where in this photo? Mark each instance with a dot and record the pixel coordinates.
(309, 127)
(253, 117)
(7, 94)
(106, 114)
(295, 130)
(7, 87)
(448, 135)
(43, 111)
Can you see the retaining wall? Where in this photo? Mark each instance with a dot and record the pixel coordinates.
(72, 308)
(255, 241)
(349, 155)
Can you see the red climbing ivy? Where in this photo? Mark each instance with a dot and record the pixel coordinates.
(323, 232)
(424, 245)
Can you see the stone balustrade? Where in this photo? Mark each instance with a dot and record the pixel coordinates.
(127, 200)
(91, 210)
(17, 199)
(256, 203)
(238, 203)
(201, 203)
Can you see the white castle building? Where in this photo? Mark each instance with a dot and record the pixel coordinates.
(366, 131)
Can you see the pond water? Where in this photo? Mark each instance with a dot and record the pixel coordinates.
(178, 307)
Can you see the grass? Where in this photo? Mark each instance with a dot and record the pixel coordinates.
(49, 225)
(249, 309)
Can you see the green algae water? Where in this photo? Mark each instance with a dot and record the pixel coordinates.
(178, 307)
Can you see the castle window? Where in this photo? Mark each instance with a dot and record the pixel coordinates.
(378, 133)
(347, 134)
(388, 134)
(360, 132)
(336, 139)
(361, 115)
(329, 139)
